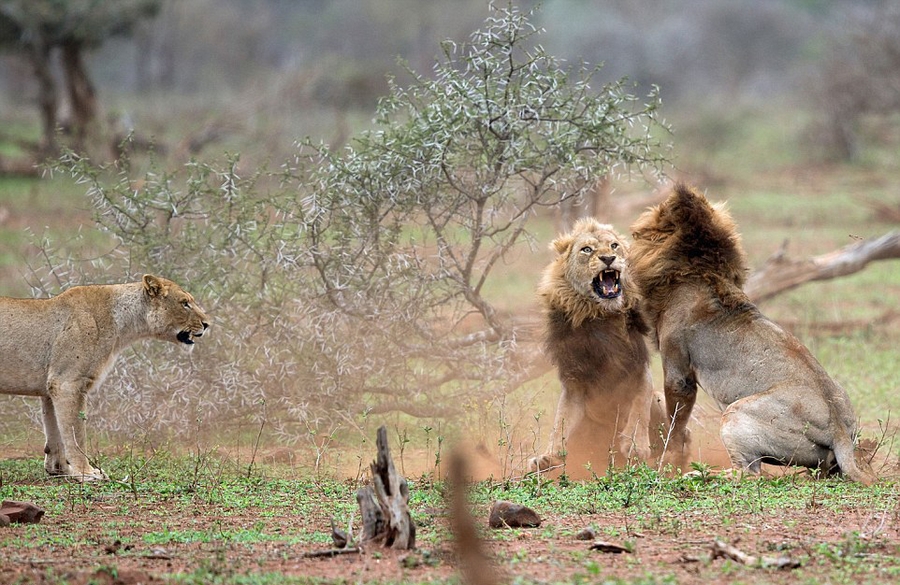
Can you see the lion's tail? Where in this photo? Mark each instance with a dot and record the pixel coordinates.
(852, 463)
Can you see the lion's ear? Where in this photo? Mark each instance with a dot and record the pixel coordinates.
(152, 285)
(562, 244)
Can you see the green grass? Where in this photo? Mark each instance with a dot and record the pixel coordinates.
(170, 509)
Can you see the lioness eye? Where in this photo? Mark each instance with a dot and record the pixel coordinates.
(186, 304)
(614, 245)
(587, 249)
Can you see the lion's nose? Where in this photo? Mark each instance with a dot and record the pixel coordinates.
(608, 260)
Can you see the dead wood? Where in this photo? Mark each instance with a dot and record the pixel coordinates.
(723, 550)
(332, 552)
(780, 273)
(384, 504)
(608, 547)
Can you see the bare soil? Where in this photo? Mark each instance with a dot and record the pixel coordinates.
(853, 544)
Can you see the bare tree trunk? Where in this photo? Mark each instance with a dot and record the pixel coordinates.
(48, 99)
(81, 92)
(780, 273)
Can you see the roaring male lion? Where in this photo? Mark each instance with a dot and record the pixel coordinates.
(780, 406)
(595, 338)
(61, 348)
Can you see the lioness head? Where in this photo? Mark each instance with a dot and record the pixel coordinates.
(173, 314)
(589, 276)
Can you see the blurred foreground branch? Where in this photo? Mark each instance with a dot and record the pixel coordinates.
(781, 273)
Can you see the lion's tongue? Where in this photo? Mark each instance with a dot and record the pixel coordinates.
(608, 282)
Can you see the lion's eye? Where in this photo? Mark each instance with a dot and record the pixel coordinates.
(186, 304)
(587, 249)
(614, 245)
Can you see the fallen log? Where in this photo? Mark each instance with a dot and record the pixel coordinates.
(384, 504)
(780, 273)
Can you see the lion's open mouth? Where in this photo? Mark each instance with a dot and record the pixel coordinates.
(607, 285)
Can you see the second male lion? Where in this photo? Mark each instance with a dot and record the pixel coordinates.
(780, 406)
(61, 348)
(595, 338)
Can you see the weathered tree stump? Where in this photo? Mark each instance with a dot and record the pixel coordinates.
(384, 505)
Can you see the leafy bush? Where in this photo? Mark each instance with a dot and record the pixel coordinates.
(353, 281)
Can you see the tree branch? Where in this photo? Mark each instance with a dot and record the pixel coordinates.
(780, 273)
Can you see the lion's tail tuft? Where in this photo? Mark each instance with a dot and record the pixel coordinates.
(851, 461)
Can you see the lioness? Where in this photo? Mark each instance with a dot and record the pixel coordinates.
(61, 348)
(595, 338)
(780, 406)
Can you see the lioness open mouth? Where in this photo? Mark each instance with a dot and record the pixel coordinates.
(606, 284)
(187, 337)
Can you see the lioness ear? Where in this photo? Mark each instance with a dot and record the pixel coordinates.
(152, 285)
(562, 244)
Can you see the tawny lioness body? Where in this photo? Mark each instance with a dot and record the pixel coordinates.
(61, 348)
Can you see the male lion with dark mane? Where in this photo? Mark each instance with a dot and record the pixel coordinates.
(780, 406)
(61, 348)
(595, 338)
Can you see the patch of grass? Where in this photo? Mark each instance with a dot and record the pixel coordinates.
(225, 512)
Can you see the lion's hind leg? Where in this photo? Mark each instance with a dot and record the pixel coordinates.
(754, 432)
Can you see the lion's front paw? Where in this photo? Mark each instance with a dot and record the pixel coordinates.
(543, 463)
(67, 471)
(89, 474)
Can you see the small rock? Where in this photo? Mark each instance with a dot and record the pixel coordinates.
(4, 520)
(509, 515)
(586, 534)
(21, 512)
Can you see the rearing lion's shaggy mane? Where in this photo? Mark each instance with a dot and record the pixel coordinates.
(780, 406)
(682, 244)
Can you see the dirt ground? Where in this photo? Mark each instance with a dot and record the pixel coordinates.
(854, 544)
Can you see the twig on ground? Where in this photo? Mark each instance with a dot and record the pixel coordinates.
(721, 549)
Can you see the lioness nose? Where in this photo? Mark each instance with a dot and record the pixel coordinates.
(608, 260)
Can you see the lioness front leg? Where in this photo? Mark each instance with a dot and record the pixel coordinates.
(54, 454)
(68, 400)
(569, 413)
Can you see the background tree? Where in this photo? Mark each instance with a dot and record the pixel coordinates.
(36, 28)
(860, 80)
(358, 280)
